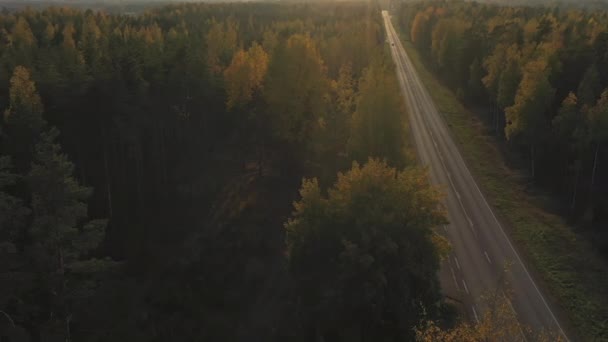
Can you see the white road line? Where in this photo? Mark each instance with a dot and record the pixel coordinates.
(445, 228)
(454, 277)
(402, 55)
(470, 222)
(465, 286)
(475, 314)
(457, 263)
(487, 257)
(402, 51)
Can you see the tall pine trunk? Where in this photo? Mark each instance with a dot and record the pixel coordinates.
(67, 316)
(597, 149)
(532, 160)
(495, 121)
(106, 171)
(575, 190)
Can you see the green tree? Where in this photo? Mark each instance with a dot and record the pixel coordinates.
(590, 87)
(507, 85)
(474, 84)
(363, 256)
(344, 100)
(493, 65)
(59, 207)
(296, 89)
(12, 210)
(221, 42)
(570, 126)
(377, 125)
(598, 130)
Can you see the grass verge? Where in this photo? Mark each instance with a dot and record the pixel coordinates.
(576, 277)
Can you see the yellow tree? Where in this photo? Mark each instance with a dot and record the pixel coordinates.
(49, 34)
(526, 117)
(245, 75)
(23, 118)
(499, 323)
(24, 42)
(421, 30)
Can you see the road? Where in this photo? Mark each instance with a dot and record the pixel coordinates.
(480, 246)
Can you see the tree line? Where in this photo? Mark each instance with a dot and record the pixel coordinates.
(149, 164)
(539, 76)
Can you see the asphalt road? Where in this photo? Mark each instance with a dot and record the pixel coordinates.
(480, 247)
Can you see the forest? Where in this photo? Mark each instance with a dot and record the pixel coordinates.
(233, 172)
(539, 78)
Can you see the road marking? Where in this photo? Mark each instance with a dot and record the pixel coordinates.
(454, 277)
(445, 228)
(475, 314)
(457, 263)
(468, 219)
(465, 286)
(403, 58)
(457, 194)
(487, 257)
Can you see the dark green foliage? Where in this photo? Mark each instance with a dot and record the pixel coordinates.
(58, 201)
(532, 58)
(589, 89)
(363, 256)
(12, 210)
(378, 123)
(159, 166)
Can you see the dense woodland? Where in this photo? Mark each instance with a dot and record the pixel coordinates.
(149, 167)
(539, 78)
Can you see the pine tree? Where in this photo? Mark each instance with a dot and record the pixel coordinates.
(59, 206)
(590, 87)
(12, 210)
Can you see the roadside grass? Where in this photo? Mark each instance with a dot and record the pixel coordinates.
(574, 274)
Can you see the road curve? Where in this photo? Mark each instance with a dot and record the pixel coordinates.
(480, 247)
